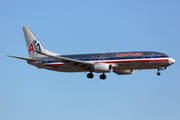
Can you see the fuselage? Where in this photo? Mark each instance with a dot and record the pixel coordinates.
(120, 60)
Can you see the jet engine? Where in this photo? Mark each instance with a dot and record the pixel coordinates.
(103, 68)
(124, 72)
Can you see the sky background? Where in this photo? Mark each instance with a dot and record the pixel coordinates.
(73, 27)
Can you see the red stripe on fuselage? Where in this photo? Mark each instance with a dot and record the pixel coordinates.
(120, 61)
(134, 61)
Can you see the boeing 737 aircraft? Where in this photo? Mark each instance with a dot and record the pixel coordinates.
(121, 63)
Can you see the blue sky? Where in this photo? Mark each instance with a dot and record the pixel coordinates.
(73, 27)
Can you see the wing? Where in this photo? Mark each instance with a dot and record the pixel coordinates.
(68, 60)
(77, 63)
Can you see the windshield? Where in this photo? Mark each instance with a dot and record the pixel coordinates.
(163, 56)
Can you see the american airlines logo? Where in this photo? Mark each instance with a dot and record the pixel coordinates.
(31, 47)
(128, 54)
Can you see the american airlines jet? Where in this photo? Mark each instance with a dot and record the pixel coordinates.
(121, 63)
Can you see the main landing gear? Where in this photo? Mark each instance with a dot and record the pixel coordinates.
(90, 75)
(102, 76)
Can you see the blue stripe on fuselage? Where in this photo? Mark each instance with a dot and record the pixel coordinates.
(100, 59)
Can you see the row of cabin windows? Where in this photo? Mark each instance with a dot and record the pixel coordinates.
(117, 58)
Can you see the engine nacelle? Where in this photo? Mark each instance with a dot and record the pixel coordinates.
(124, 72)
(102, 68)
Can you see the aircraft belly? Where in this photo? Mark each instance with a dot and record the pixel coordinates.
(142, 65)
(66, 69)
(163, 63)
(70, 69)
(127, 65)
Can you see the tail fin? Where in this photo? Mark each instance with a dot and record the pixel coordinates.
(30, 38)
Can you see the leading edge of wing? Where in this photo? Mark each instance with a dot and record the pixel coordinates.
(65, 59)
(21, 58)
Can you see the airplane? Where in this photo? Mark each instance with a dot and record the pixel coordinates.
(121, 63)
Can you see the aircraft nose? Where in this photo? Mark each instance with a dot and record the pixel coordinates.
(171, 61)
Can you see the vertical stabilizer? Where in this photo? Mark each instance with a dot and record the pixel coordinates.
(32, 40)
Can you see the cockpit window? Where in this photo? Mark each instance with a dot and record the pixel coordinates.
(163, 56)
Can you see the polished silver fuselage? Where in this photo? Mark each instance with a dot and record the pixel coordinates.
(120, 61)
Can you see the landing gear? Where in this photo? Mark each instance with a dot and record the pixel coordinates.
(162, 68)
(90, 75)
(158, 73)
(103, 76)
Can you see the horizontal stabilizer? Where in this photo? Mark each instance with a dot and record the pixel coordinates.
(21, 58)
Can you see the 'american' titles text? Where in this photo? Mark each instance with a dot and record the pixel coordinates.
(128, 54)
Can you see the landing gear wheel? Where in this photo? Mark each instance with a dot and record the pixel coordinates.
(103, 76)
(158, 73)
(90, 75)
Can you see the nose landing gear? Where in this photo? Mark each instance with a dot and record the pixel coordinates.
(162, 68)
(158, 73)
